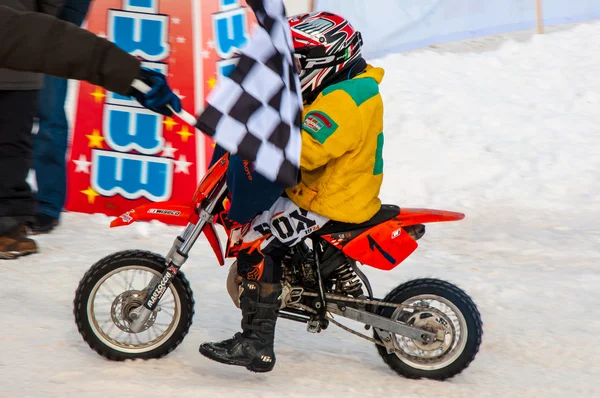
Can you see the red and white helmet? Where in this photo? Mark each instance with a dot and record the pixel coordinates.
(325, 45)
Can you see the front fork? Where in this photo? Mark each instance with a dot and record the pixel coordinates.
(177, 256)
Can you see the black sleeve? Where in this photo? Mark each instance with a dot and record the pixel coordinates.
(50, 7)
(35, 42)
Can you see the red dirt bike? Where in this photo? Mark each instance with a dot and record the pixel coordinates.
(424, 328)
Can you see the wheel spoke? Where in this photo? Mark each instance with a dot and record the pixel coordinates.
(150, 338)
(114, 295)
(166, 312)
(108, 298)
(123, 276)
(162, 303)
(101, 313)
(112, 325)
(137, 338)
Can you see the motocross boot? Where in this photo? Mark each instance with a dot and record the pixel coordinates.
(252, 348)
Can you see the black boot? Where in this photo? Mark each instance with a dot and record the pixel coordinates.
(43, 224)
(253, 348)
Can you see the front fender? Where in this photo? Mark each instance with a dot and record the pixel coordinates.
(169, 212)
(212, 237)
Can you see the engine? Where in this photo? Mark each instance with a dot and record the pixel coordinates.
(337, 272)
(299, 267)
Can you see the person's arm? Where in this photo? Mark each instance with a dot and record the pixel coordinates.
(35, 42)
(330, 129)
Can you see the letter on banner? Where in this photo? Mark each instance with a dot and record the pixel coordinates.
(226, 66)
(149, 6)
(125, 30)
(225, 4)
(127, 128)
(131, 176)
(230, 28)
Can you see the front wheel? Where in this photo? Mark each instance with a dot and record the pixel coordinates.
(115, 286)
(442, 308)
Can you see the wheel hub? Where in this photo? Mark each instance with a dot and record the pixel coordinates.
(432, 323)
(123, 306)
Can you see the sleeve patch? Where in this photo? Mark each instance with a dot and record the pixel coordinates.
(319, 126)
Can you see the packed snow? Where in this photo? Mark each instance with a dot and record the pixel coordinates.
(509, 137)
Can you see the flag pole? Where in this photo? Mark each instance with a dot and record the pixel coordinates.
(311, 5)
(540, 22)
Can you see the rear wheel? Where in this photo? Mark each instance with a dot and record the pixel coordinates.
(444, 309)
(115, 286)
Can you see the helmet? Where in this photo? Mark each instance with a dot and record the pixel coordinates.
(325, 46)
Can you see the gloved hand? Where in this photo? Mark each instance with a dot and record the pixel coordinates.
(160, 94)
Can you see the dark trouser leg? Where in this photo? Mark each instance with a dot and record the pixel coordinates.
(50, 147)
(17, 110)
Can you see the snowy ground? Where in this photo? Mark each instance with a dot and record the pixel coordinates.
(509, 137)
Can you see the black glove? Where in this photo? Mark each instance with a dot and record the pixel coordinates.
(160, 94)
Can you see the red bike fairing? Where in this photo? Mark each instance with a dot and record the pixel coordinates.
(383, 246)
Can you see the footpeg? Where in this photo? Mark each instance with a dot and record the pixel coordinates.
(315, 325)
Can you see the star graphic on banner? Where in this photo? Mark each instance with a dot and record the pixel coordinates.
(214, 144)
(98, 94)
(91, 194)
(180, 39)
(182, 165)
(212, 82)
(210, 44)
(175, 20)
(95, 139)
(205, 53)
(185, 133)
(169, 123)
(177, 93)
(82, 165)
(168, 151)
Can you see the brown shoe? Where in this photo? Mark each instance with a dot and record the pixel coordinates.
(15, 244)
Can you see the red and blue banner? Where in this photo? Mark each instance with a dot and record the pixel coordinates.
(123, 155)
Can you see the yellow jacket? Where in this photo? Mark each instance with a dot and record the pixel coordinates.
(342, 144)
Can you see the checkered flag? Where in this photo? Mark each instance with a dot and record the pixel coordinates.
(256, 111)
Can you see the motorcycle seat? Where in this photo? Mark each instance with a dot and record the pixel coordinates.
(386, 212)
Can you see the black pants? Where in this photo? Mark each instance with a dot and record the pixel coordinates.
(17, 110)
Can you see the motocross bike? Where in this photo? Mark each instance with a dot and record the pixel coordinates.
(139, 305)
